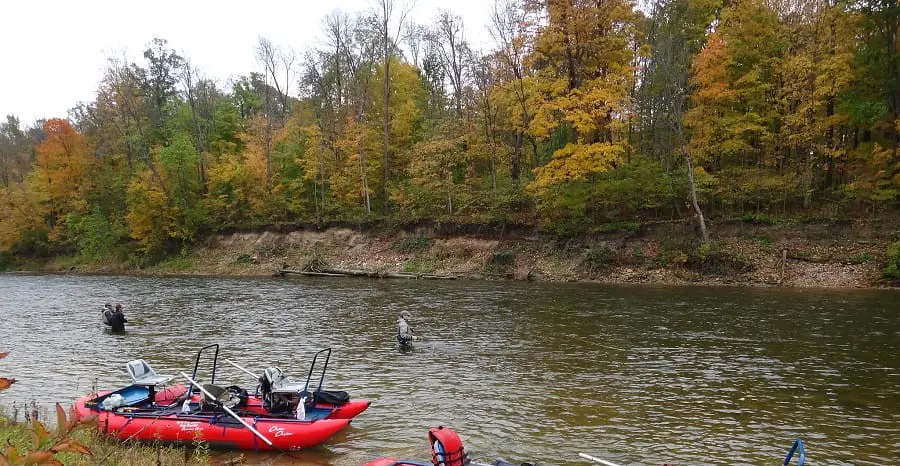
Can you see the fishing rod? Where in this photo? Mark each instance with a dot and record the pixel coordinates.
(229, 411)
(598, 460)
(241, 368)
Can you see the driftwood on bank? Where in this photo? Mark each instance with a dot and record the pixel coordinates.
(333, 272)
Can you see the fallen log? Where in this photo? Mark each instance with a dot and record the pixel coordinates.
(308, 273)
(417, 276)
(332, 272)
(351, 272)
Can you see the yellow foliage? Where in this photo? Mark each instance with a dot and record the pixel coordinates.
(582, 81)
(20, 211)
(62, 172)
(576, 162)
(150, 218)
(64, 161)
(231, 189)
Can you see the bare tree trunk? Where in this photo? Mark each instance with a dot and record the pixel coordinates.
(188, 76)
(268, 151)
(387, 10)
(700, 218)
(363, 176)
(492, 144)
(516, 162)
(386, 163)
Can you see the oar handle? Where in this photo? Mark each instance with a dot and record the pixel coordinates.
(241, 368)
(598, 460)
(256, 432)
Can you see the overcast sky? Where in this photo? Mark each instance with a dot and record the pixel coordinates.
(53, 52)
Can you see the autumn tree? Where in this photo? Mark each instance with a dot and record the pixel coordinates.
(510, 23)
(63, 170)
(17, 149)
(390, 24)
(582, 80)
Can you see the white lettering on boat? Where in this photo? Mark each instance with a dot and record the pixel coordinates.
(279, 431)
(188, 426)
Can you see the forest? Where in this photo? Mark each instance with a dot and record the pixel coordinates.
(584, 114)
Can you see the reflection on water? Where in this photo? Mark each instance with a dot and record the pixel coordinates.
(536, 372)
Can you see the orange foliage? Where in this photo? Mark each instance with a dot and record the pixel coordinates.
(45, 445)
(64, 162)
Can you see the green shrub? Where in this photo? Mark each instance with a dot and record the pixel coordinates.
(95, 235)
(277, 250)
(500, 263)
(175, 263)
(618, 226)
(33, 243)
(412, 244)
(761, 219)
(421, 264)
(598, 259)
(710, 259)
(670, 255)
(6, 261)
(892, 262)
(860, 258)
(762, 240)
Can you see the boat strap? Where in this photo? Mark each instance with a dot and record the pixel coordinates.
(255, 438)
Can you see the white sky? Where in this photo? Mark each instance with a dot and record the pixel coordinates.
(53, 52)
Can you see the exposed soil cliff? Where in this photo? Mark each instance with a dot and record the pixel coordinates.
(842, 254)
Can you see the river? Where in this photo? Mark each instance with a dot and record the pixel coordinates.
(523, 371)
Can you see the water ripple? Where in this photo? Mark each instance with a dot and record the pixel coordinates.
(635, 375)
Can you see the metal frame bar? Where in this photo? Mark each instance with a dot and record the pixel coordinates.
(215, 362)
(313, 366)
(797, 447)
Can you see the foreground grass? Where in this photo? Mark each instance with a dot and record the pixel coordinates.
(109, 452)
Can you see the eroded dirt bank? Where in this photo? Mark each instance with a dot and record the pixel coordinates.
(800, 255)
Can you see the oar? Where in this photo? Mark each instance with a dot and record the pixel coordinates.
(256, 432)
(589, 457)
(241, 368)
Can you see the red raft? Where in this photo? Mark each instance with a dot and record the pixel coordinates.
(282, 415)
(446, 450)
(162, 420)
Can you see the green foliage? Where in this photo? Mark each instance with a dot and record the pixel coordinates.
(412, 244)
(709, 258)
(618, 226)
(598, 259)
(34, 444)
(762, 240)
(761, 219)
(892, 262)
(670, 255)
(579, 122)
(6, 261)
(421, 264)
(95, 235)
(33, 243)
(860, 258)
(500, 263)
(273, 250)
(637, 189)
(561, 208)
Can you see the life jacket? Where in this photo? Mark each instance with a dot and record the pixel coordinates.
(446, 447)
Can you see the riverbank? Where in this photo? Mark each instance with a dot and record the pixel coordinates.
(792, 254)
(20, 436)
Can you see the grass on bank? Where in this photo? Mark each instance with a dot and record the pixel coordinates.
(102, 450)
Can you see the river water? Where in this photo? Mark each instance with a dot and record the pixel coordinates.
(525, 372)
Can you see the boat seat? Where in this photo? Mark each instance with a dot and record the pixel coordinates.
(289, 386)
(142, 374)
(281, 383)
